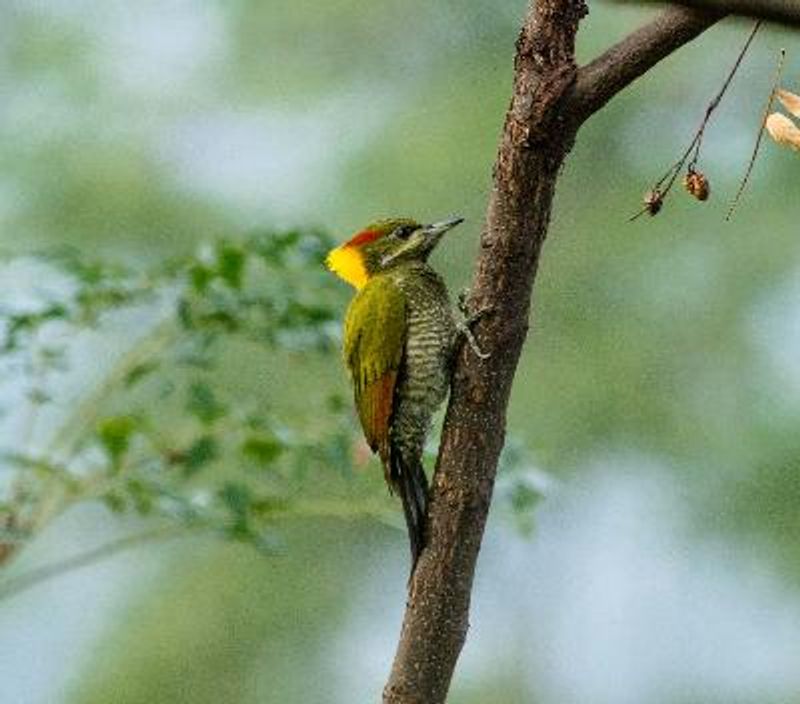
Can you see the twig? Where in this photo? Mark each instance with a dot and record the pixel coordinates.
(14, 586)
(68, 437)
(786, 12)
(767, 110)
(694, 146)
(620, 65)
(548, 105)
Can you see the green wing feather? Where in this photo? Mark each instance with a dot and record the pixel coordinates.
(374, 342)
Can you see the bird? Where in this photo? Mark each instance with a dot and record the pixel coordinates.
(400, 335)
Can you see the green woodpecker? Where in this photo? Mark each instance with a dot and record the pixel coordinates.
(399, 337)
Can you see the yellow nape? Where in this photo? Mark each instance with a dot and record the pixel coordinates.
(347, 263)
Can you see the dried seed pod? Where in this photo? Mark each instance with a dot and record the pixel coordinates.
(697, 184)
(653, 200)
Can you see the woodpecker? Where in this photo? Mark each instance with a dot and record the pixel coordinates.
(399, 338)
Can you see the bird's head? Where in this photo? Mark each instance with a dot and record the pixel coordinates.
(383, 245)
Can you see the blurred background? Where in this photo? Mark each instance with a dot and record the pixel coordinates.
(657, 401)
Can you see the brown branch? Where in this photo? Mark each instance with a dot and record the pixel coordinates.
(546, 111)
(619, 66)
(782, 11)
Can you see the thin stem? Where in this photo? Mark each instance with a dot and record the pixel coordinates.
(32, 408)
(53, 499)
(767, 110)
(714, 103)
(712, 106)
(70, 434)
(671, 174)
(14, 586)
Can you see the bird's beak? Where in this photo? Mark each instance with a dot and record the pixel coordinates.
(423, 240)
(433, 233)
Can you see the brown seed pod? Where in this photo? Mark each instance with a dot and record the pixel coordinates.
(653, 200)
(697, 184)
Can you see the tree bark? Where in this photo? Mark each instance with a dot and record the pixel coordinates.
(785, 12)
(601, 79)
(551, 99)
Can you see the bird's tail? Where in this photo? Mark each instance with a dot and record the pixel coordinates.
(409, 480)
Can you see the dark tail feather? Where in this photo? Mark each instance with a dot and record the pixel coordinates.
(411, 483)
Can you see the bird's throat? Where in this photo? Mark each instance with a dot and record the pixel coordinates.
(347, 262)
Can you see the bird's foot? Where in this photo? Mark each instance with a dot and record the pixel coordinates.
(463, 302)
(472, 342)
(463, 307)
(470, 318)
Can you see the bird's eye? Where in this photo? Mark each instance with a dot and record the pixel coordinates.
(404, 231)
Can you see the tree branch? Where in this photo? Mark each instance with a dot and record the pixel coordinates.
(550, 101)
(619, 66)
(783, 11)
(13, 586)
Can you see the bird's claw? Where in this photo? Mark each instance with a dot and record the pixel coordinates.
(470, 319)
(473, 343)
(463, 307)
(462, 302)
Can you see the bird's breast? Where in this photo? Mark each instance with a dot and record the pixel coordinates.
(431, 334)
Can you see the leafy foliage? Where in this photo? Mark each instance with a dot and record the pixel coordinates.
(175, 404)
(181, 424)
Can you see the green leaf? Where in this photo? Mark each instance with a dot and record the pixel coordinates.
(271, 246)
(203, 404)
(524, 498)
(114, 501)
(336, 403)
(38, 396)
(20, 324)
(54, 357)
(115, 434)
(266, 506)
(237, 499)
(184, 314)
(141, 495)
(200, 453)
(230, 263)
(139, 372)
(200, 276)
(262, 449)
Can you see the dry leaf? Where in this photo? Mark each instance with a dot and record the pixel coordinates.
(790, 101)
(783, 130)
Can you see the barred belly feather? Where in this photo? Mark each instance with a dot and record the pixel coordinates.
(399, 339)
(422, 385)
(424, 373)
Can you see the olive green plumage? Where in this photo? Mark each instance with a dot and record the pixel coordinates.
(399, 337)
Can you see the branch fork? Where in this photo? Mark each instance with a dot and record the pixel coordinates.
(551, 99)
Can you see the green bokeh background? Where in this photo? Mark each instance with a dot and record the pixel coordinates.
(659, 386)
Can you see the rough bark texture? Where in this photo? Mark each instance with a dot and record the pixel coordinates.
(601, 79)
(783, 11)
(532, 150)
(551, 98)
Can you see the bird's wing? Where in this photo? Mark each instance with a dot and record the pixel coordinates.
(374, 342)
